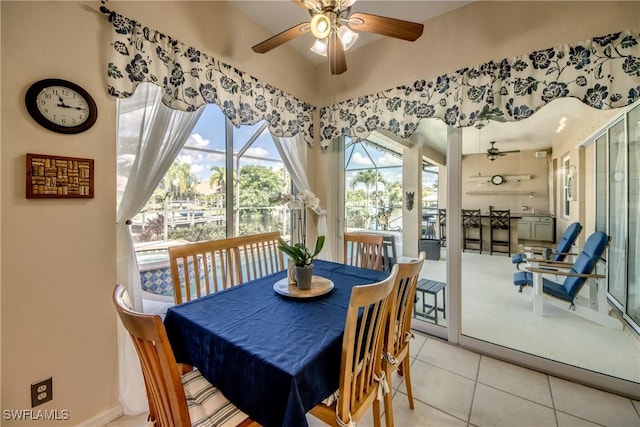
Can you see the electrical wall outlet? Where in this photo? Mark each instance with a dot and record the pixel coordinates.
(41, 392)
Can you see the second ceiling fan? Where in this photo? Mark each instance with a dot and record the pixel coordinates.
(333, 26)
(493, 153)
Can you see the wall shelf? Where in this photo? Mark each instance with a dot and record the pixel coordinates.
(501, 193)
(507, 178)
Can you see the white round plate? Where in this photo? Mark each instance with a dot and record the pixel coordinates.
(319, 286)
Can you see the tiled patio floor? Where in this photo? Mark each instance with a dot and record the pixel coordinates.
(456, 387)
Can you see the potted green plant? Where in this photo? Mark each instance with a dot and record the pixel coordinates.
(302, 259)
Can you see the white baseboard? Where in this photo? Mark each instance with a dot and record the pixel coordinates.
(103, 418)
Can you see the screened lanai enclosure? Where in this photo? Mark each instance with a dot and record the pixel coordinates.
(374, 194)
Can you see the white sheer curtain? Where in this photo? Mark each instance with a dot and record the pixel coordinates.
(291, 151)
(150, 136)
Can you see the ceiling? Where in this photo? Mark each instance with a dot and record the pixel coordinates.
(538, 132)
(277, 16)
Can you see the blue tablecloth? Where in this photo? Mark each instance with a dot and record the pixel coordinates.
(274, 357)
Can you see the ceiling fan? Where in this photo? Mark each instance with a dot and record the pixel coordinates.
(332, 24)
(493, 153)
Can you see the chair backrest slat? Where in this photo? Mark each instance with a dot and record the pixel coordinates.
(363, 250)
(401, 306)
(471, 218)
(500, 219)
(202, 268)
(165, 393)
(362, 347)
(258, 255)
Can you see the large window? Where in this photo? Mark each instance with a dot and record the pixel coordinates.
(223, 183)
(373, 181)
(191, 202)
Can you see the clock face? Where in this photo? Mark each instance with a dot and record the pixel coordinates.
(497, 180)
(61, 106)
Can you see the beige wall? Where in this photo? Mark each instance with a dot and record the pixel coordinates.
(582, 209)
(515, 164)
(58, 257)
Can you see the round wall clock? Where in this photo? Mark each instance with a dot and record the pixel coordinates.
(61, 106)
(497, 179)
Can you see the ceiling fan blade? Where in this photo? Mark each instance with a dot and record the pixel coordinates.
(282, 37)
(306, 4)
(337, 58)
(510, 151)
(385, 26)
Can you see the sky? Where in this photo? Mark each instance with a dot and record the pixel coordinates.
(209, 133)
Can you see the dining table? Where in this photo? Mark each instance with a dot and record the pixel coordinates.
(274, 356)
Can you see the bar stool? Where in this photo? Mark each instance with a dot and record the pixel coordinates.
(499, 220)
(442, 223)
(471, 220)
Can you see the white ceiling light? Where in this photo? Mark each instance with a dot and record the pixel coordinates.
(321, 26)
(320, 47)
(347, 37)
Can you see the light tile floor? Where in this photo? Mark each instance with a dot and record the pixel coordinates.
(456, 387)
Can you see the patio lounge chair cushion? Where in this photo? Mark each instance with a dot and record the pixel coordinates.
(525, 278)
(562, 248)
(584, 264)
(518, 259)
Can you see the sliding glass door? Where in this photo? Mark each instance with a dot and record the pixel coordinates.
(617, 211)
(633, 292)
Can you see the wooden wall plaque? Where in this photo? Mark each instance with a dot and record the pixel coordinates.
(55, 177)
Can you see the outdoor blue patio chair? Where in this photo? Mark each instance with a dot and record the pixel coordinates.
(579, 271)
(561, 250)
(593, 307)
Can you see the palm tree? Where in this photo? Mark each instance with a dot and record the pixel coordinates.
(370, 178)
(182, 181)
(217, 180)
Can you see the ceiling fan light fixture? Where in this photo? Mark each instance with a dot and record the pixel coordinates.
(319, 47)
(347, 37)
(321, 26)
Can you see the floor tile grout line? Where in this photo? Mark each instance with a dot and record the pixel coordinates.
(475, 388)
(435, 407)
(516, 395)
(637, 408)
(553, 402)
(578, 417)
(444, 369)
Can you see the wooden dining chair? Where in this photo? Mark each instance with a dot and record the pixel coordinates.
(361, 373)
(398, 331)
(363, 250)
(203, 268)
(258, 255)
(178, 395)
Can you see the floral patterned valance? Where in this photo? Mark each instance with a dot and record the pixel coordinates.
(191, 78)
(603, 72)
